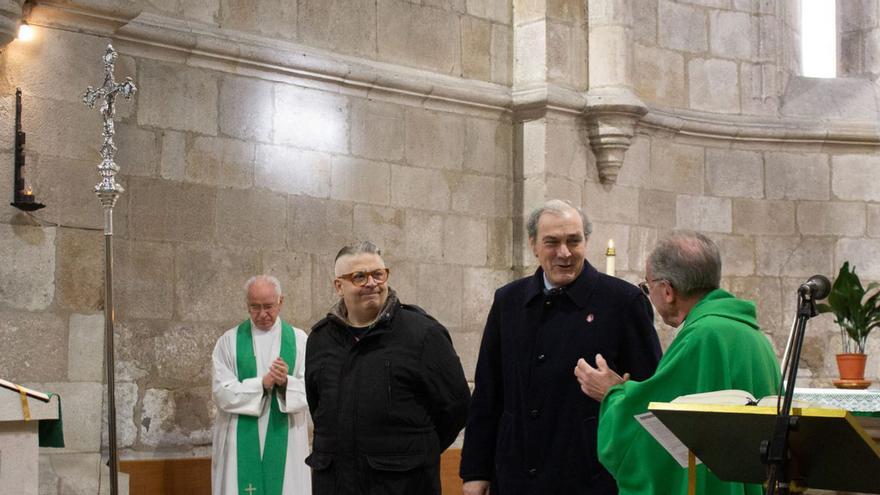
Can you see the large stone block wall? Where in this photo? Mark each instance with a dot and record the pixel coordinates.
(780, 214)
(857, 38)
(226, 176)
(727, 57)
(468, 38)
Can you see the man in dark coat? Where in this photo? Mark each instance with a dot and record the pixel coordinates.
(531, 431)
(384, 385)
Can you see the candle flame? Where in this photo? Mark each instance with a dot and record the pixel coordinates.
(610, 243)
(28, 191)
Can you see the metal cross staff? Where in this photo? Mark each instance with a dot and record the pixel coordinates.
(108, 191)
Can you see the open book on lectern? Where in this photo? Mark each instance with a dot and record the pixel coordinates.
(734, 397)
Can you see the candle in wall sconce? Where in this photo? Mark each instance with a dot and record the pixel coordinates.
(27, 195)
(22, 192)
(609, 258)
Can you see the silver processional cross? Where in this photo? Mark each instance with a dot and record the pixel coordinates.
(108, 191)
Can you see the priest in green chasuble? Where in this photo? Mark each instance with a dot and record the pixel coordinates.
(261, 432)
(718, 346)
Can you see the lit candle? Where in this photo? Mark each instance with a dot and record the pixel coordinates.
(609, 258)
(27, 195)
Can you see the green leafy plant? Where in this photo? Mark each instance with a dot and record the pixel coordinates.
(856, 309)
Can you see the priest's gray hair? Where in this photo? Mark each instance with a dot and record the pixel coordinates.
(689, 261)
(361, 247)
(556, 206)
(263, 278)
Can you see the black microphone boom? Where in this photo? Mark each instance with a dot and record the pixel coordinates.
(818, 287)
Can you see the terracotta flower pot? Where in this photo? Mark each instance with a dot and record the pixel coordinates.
(851, 366)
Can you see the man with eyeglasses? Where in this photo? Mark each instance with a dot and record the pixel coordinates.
(718, 346)
(531, 430)
(261, 432)
(385, 387)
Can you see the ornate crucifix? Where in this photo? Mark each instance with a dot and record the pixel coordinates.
(108, 191)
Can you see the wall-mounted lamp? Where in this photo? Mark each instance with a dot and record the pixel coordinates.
(22, 193)
(25, 32)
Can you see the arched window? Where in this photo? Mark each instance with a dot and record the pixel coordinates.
(818, 38)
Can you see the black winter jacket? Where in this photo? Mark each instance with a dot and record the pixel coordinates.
(384, 407)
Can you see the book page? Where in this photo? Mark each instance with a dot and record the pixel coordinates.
(719, 397)
(665, 438)
(773, 401)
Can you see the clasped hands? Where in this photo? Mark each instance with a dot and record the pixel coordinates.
(595, 382)
(277, 375)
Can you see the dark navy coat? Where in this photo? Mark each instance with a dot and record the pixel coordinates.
(531, 430)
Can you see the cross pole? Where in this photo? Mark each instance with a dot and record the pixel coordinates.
(108, 191)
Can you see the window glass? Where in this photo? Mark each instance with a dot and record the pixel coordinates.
(818, 38)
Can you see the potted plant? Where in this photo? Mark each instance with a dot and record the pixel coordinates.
(857, 311)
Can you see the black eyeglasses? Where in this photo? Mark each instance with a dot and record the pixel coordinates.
(646, 285)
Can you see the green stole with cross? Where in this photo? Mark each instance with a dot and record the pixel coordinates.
(261, 474)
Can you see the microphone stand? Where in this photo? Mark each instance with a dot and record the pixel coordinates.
(774, 452)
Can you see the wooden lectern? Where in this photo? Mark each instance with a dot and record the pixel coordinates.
(830, 449)
(19, 440)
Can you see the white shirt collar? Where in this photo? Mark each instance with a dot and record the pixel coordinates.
(275, 326)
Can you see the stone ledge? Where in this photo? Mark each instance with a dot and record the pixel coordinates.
(156, 36)
(751, 128)
(197, 44)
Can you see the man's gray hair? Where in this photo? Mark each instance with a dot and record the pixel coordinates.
(263, 278)
(361, 247)
(557, 206)
(689, 261)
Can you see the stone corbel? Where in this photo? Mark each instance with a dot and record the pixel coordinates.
(10, 16)
(611, 115)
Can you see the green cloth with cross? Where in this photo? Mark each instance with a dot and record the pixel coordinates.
(261, 473)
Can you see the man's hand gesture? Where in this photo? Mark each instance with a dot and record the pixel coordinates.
(595, 382)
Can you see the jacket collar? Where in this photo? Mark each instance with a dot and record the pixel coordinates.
(719, 302)
(578, 291)
(339, 313)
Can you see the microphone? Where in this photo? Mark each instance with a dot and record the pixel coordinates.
(817, 287)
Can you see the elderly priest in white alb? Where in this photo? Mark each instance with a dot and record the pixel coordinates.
(261, 436)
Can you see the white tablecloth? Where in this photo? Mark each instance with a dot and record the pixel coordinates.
(851, 400)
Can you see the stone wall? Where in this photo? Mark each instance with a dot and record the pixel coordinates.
(857, 38)
(737, 144)
(231, 171)
(267, 134)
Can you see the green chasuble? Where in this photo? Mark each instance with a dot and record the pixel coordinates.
(262, 474)
(719, 347)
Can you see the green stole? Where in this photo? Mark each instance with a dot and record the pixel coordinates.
(261, 474)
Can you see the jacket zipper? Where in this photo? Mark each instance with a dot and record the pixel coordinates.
(388, 382)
